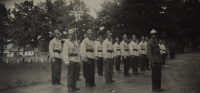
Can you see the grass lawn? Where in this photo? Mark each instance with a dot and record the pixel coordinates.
(24, 74)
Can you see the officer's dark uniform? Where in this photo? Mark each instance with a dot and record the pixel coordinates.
(154, 56)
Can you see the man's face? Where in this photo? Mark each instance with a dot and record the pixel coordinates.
(89, 35)
(160, 41)
(57, 35)
(109, 36)
(147, 39)
(117, 41)
(75, 36)
(137, 41)
(163, 42)
(134, 38)
(127, 41)
(71, 36)
(100, 39)
(143, 39)
(153, 36)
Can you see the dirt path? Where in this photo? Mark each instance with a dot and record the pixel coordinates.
(180, 75)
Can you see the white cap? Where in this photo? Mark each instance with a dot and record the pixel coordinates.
(64, 32)
(153, 31)
(133, 36)
(89, 31)
(109, 32)
(101, 28)
(56, 31)
(116, 38)
(71, 31)
(124, 36)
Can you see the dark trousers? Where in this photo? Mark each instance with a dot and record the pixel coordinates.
(143, 62)
(72, 74)
(126, 65)
(156, 76)
(100, 66)
(117, 63)
(147, 63)
(108, 67)
(164, 57)
(134, 63)
(56, 71)
(89, 71)
(78, 70)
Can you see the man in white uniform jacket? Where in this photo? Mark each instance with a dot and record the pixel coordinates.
(99, 55)
(164, 51)
(87, 54)
(117, 55)
(108, 57)
(134, 52)
(55, 49)
(124, 47)
(71, 58)
(143, 53)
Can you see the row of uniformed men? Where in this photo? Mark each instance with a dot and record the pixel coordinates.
(103, 52)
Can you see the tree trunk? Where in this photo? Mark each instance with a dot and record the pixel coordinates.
(1, 57)
(23, 53)
(36, 43)
(18, 54)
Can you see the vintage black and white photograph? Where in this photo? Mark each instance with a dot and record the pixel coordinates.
(99, 46)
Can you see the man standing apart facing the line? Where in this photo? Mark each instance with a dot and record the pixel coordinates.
(108, 57)
(71, 58)
(55, 48)
(154, 56)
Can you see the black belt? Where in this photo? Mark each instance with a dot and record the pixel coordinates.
(58, 51)
(143, 49)
(118, 49)
(89, 50)
(134, 49)
(110, 51)
(126, 49)
(99, 50)
(73, 55)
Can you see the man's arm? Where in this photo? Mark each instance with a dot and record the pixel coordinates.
(104, 49)
(96, 50)
(131, 49)
(115, 50)
(122, 49)
(65, 52)
(51, 45)
(83, 50)
(140, 49)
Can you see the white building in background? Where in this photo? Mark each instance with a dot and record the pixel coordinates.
(12, 51)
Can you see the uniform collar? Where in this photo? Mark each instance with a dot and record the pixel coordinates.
(116, 43)
(88, 38)
(123, 41)
(107, 39)
(55, 39)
